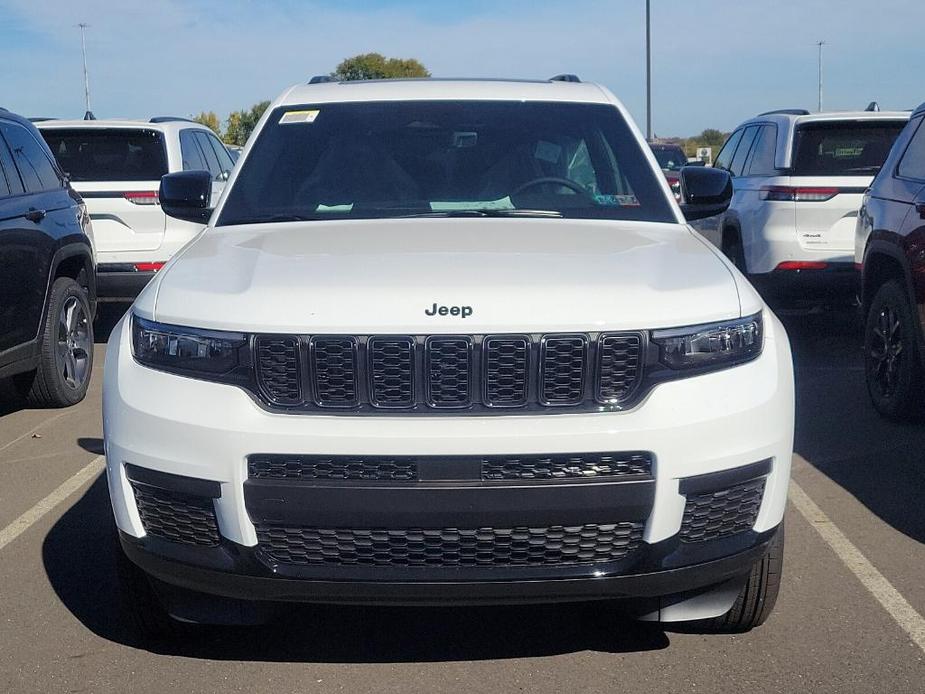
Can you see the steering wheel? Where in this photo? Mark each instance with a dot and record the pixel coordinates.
(564, 182)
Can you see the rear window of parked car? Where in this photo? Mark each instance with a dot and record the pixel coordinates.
(843, 148)
(109, 154)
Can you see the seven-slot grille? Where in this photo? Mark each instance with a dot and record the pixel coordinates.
(449, 372)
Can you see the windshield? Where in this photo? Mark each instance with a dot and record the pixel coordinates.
(114, 154)
(440, 158)
(843, 148)
(670, 158)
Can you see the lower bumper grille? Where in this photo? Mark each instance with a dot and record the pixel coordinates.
(718, 514)
(176, 516)
(449, 547)
(561, 466)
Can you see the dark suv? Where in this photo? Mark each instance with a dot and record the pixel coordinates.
(890, 242)
(47, 285)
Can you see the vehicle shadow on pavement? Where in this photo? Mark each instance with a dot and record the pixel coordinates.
(79, 555)
(838, 431)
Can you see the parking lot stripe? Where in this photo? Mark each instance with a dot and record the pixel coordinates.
(35, 428)
(34, 514)
(875, 582)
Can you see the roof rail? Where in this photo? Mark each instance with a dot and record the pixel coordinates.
(321, 79)
(38, 119)
(873, 106)
(170, 119)
(89, 116)
(786, 112)
(565, 78)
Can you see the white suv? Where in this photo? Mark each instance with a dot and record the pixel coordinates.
(799, 179)
(116, 166)
(449, 341)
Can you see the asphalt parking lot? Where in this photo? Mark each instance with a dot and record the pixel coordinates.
(848, 618)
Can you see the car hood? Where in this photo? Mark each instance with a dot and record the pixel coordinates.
(381, 276)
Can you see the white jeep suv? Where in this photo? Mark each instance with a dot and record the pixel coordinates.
(116, 166)
(449, 341)
(799, 179)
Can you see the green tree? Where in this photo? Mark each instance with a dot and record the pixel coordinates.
(375, 66)
(210, 120)
(242, 123)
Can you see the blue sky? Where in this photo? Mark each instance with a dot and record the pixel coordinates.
(715, 62)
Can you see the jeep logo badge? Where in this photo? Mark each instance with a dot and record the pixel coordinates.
(437, 310)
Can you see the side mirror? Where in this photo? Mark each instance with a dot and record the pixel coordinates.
(705, 192)
(186, 194)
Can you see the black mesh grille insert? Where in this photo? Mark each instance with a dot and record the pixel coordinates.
(576, 466)
(391, 369)
(505, 371)
(175, 516)
(448, 367)
(618, 366)
(563, 369)
(278, 369)
(472, 374)
(722, 513)
(316, 467)
(334, 370)
(450, 547)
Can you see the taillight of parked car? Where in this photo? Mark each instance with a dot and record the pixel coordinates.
(798, 194)
(148, 267)
(141, 197)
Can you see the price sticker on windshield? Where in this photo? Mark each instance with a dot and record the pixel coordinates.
(291, 117)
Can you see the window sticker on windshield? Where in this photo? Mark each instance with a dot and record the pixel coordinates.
(290, 117)
(547, 151)
(617, 200)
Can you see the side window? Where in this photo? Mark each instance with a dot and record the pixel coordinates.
(11, 178)
(745, 146)
(35, 168)
(211, 159)
(224, 159)
(724, 158)
(189, 150)
(912, 165)
(762, 159)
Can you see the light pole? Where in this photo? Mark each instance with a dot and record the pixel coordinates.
(83, 47)
(648, 72)
(820, 44)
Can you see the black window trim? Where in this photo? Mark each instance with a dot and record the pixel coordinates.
(899, 161)
(741, 129)
(751, 154)
(43, 148)
(745, 129)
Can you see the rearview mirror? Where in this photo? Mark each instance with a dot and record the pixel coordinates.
(705, 192)
(186, 194)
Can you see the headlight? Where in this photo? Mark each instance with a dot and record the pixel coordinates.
(713, 345)
(185, 350)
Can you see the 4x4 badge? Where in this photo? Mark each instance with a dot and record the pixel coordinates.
(436, 310)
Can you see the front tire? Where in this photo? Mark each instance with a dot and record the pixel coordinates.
(758, 596)
(66, 358)
(892, 366)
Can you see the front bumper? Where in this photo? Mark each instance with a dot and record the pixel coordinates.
(711, 427)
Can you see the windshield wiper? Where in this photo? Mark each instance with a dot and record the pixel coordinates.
(485, 213)
(863, 169)
(269, 219)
